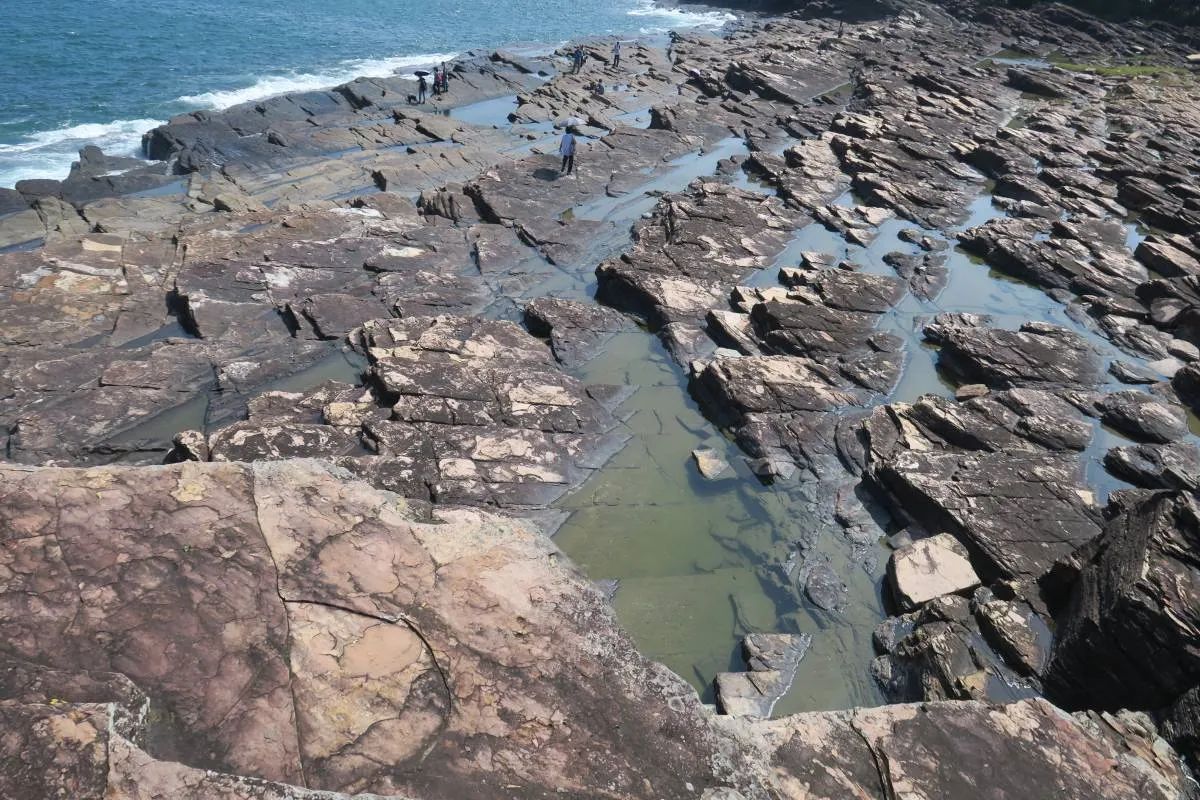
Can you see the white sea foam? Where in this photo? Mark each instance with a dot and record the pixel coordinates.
(88, 133)
(674, 18)
(310, 81)
(48, 154)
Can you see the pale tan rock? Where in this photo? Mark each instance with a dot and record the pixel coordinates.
(710, 463)
(930, 568)
(971, 390)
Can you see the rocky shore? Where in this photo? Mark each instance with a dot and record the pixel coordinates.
(289, 413)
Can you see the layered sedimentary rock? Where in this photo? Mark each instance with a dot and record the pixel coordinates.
(1126, 635)
(282, 306)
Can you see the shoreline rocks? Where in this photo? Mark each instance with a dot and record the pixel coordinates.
(345, 286)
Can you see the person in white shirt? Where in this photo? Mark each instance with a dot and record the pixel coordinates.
(566, 149)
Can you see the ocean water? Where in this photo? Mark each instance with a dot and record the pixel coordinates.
(104, 71)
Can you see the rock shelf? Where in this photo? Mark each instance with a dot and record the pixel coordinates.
(931, 284)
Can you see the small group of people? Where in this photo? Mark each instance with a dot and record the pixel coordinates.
(579, 57)
(441, 80)
(441, 83)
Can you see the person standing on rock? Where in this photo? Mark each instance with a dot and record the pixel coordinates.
(422, 87)
(617, 54)
(566, 149)
(577, 60)
(445, 78)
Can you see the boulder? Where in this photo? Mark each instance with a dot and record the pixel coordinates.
(930, 568)
(12, 201)
(939, 653)
(710, 463)
(1186, 383)
(1126, 634)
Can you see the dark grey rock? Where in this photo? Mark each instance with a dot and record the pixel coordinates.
(1143, 416)
(1156, 466)
(577, 331)
(1125, 637)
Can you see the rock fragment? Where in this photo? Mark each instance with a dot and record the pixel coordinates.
(930, 568)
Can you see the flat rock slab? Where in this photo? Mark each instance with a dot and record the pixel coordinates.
(1037, 354)
(577, 330)
(1143, 416)
(1016, 512)
(1156, 466)
(337, 643)
(459, 411)
(930, 568)
(695, 247)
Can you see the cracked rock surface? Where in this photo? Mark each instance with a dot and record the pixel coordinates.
(264, 631)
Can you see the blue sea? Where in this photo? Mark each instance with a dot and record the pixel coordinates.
(104, 71)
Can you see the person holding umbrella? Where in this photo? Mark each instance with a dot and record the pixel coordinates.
(566, 149)
(422, 85)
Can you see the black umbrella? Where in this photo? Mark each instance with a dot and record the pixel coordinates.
(420, 73)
